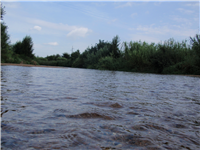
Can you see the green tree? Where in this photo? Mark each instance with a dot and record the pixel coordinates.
(53, 57)
(25, 47)
(196, 48)
(75, 55)
(17, 47)
(115, 47)
(196, 44)
(5, 43)
(2, 11)
(66, 55)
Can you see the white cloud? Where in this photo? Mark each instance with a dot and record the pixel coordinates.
(193, 4)
(78, 32)
(52, 43)
(73, 31)
(56, 26)
(157, 3)
(143, 37)
(128, 4)
(166, 30)
(37, 28)
(157, 34)
(99, 4)
(185, 11)
(112, 21)
(88, 10)
(176, 26)
(179, 19)
(12, 5)
(147, 29)
(196, 19)
(134, 14)
(182, 20)
(185, 21)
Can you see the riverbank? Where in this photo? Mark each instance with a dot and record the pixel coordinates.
(29, 65)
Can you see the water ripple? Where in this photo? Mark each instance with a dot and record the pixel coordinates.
(56, 108)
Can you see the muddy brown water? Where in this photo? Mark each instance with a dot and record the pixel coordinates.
(57, 108)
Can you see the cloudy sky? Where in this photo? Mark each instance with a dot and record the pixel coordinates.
(56, 27)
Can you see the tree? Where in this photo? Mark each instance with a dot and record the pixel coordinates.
(115, 47)
(53, 57)
(17, 47)
(75, 55)
(4, 37)
(5, 43)
(66, 55)
(25, 47)
(196, 48)
(2, 11)
(196, 44)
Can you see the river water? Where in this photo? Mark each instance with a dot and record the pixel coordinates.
(68, 108)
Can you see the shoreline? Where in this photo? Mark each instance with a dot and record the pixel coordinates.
(29, 65)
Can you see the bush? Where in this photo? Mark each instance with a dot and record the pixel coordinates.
(169, 54)
(107, 63)
(196, 44)
(78, 63)
(48, 63)
(62, 63)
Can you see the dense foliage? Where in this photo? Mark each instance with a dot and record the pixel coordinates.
(169, 57)
(5, 43)
(25, 47)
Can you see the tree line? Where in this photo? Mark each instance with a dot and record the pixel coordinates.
(169, 57)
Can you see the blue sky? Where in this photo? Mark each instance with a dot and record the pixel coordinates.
(57, 26)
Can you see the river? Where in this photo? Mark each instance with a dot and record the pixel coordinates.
(69, 108)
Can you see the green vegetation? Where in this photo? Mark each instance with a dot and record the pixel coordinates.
(5, 43)
(24, 48)
(170, 57)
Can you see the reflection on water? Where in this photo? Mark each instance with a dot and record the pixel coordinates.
(66, 108)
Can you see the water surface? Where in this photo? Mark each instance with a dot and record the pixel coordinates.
(68, 108)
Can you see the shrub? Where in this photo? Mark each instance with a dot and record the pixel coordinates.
(108, 63)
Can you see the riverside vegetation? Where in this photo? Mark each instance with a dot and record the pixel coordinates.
(169, 57)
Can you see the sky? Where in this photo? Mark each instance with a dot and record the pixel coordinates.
(57, 27)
